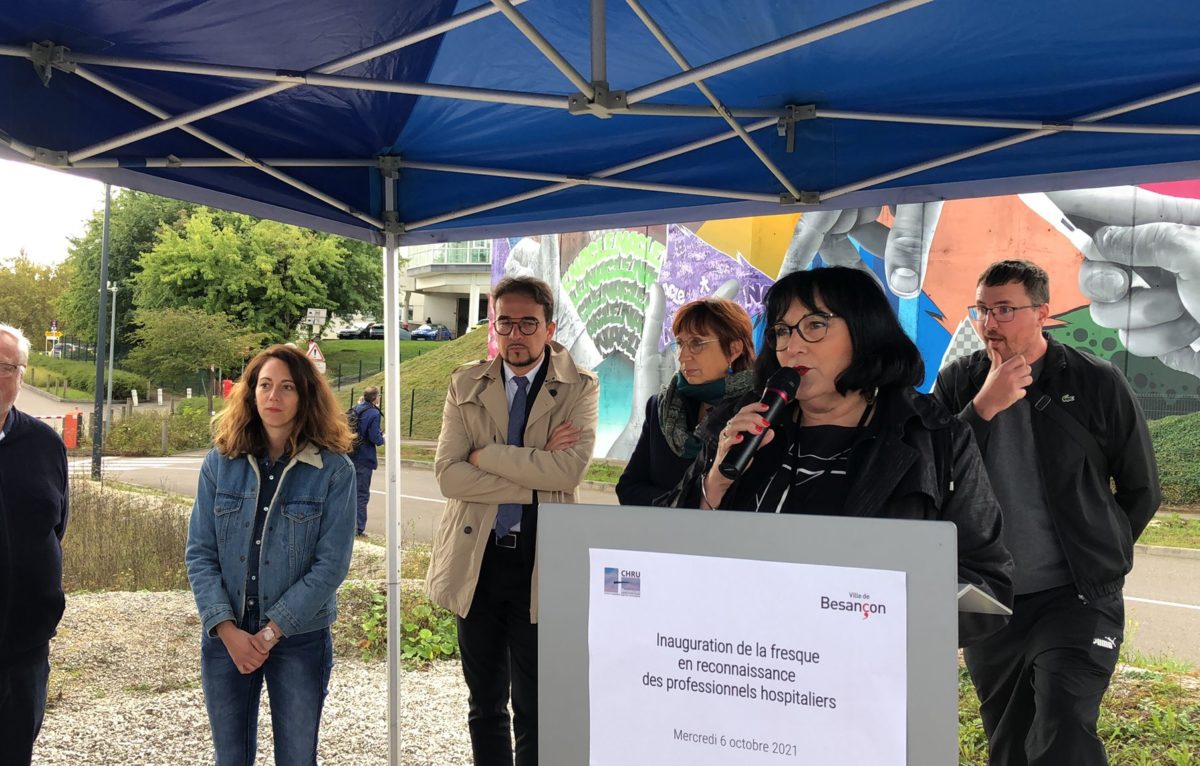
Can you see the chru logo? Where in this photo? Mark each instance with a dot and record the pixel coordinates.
(622, 582)
(856, 603)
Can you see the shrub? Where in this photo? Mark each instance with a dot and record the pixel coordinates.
(123, 541)
(82, 376)
(1177, 448)
(140, 433)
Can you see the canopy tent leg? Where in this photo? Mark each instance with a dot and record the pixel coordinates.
(392, 430)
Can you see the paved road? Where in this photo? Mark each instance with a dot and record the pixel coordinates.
(1162, 594)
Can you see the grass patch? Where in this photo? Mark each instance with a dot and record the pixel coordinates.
(1172, 530)
(428, 376)
(349, 353)
(1147, 717)
(123, 542)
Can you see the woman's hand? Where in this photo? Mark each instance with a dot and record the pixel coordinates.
(242, 648)
(746, 421)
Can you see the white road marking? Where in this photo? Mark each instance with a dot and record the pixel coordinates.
(1175, 604)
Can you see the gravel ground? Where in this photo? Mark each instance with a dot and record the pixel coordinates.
(125, 689)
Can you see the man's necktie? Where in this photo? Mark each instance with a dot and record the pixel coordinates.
(510, 513)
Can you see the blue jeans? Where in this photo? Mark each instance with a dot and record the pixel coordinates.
(297, 676)
(22, 705)
(362, 475)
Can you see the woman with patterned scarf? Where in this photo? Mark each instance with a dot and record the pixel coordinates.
(715, 347)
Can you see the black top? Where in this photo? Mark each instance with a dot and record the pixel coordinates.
(812, 477)
(33, 499)
(654, 469)
(1099, 509)
(269, 476)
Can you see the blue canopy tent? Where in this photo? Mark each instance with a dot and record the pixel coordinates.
(429, 120)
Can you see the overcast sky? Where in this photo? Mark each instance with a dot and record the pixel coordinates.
(40, 209)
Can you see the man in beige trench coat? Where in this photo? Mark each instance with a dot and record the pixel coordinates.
(516, 431)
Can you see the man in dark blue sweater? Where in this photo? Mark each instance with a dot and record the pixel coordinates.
(33, 514)
(364, 457)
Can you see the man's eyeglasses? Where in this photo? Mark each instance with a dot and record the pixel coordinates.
(999, 313)
(8, 370)
(503, 326)
(811, 327)
(693, 345)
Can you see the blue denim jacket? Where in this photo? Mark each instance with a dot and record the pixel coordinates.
(307, 540)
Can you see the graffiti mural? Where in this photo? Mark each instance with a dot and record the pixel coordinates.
(1124, 265)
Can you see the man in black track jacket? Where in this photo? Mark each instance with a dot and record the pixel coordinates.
(1059, 429)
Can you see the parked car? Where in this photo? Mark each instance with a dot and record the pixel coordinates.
(356, 331)
(432, 332)
(376, 332)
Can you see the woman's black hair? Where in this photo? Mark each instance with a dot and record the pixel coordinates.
(883, 356)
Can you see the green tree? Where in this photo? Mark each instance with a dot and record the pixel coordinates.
(262, 273)
(172, 344)
(29, 294)
(134, 221)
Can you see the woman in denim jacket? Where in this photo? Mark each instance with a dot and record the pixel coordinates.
(269, 543)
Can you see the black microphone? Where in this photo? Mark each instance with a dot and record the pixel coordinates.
(780, 389)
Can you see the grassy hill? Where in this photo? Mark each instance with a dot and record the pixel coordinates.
(423, 382)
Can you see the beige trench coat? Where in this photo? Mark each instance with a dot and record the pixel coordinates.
(476, 416)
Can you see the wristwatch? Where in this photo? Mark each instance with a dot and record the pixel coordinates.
(268, 634)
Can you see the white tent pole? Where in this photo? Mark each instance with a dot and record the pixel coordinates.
(615, 170)
(983, 122)
(782, 45)
(453, 22)
(391, 401)
(221, 162)
(1003, 143)
(542, 44)
(683, 64)
(599, 43)
(490, 95)
(474, 170)
(231, 151)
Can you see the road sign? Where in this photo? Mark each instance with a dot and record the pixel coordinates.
(53, 325)
(54, 335)
(315, 316)
(314, 353)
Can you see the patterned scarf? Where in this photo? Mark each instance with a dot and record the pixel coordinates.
(673, 399)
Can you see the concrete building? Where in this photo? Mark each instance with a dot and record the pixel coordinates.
(447, 282)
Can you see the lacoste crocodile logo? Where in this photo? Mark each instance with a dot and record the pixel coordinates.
(1067, 398)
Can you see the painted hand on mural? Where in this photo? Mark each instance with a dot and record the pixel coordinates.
(652, 368)
(539, 257)
(1143, 278)
(904, 247)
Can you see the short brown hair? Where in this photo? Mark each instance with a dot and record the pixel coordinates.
(238, 430)
(531, 287)
(1032, 277)
(724, 319)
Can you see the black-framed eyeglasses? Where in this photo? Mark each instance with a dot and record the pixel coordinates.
(811, 327)
(8, 370)
(693, 345)
(999, 313)
(504, 326)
